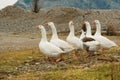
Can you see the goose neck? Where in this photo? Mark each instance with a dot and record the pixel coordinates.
(54, 32)
(88, 33)
(98, 29)
(72, 33)
(44, 37)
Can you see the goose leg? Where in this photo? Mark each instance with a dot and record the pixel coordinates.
(89, 54)
(76, 54)
(59, 58)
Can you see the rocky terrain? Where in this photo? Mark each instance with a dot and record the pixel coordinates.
(15, 19)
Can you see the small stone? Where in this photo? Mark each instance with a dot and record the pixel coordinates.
(30, 57)
(62, 63)
(37, 63)
(27, 64)
(86, 68)
(10, 76)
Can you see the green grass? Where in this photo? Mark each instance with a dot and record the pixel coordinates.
(96, 73)
(12, 59)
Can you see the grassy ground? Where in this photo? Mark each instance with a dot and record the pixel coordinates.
(31, 64)
(96, 73)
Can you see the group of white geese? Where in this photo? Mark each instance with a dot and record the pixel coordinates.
(56, 46)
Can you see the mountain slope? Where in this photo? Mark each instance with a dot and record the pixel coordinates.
(83, 4)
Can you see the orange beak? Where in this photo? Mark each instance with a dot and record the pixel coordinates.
(72, 23)
(84, 22)
(46, 23)
(80, 25)
(37, 27)
(94, 22)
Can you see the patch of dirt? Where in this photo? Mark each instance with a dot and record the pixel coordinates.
(17, 43)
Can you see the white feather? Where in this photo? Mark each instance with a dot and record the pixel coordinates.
(46, 47)
(65, 46)
(104, 42)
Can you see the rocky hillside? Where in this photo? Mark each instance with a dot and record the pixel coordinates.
(82, 4)
(15, 19)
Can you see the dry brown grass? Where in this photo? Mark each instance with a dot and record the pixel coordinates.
(111, 29)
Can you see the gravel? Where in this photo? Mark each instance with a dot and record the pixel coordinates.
(15, 19)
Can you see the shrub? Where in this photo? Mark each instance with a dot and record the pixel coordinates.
(111, 29)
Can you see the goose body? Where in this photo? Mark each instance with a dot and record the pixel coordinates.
(46, 47)
(49, 49)
(105, 43)
(72, 39)
(89, 42)
(65, 46)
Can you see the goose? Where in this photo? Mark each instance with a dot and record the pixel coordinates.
(73, 40)
(104, 42)
(87, 29)
(47, 48)
(90, 44)
(65, 46)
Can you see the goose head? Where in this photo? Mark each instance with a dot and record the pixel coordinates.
(71, 23)
(71, 27)
(50, 24)
(39, 27)
(96, 22)
(85, 25)
(98, 27)
(87, 28)
(54, 31)
(43, 32)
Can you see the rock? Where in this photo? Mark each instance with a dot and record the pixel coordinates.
(61, 63)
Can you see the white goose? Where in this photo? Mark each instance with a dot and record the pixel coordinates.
(90, 44)
(104, 42)
(65, 46)
(47, 48)
(73, 40)
(88, 29)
